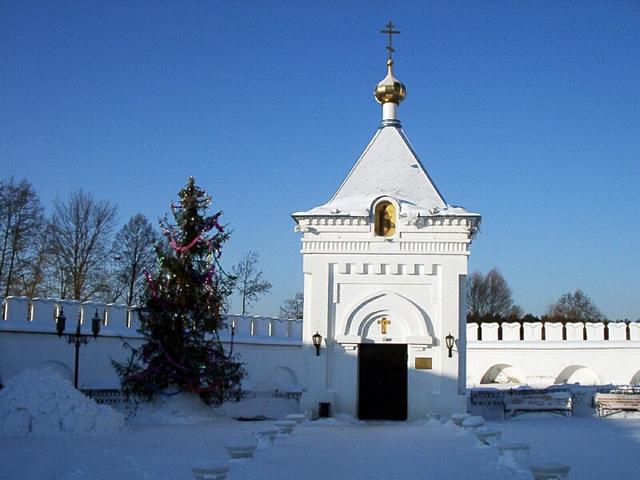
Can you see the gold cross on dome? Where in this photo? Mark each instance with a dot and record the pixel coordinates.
(390, 31)
(383, 325)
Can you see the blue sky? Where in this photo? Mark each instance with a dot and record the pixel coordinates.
(527, 112)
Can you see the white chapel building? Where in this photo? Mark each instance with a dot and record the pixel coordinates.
(385, 265)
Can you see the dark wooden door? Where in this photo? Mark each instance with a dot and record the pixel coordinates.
(382, 382)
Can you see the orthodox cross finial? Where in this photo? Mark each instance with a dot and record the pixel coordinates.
(390, 31)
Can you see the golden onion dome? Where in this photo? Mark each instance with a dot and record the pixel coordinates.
(390, 89)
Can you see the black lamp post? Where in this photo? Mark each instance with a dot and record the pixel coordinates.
(317, 341)
(448, 340)
(77, 338)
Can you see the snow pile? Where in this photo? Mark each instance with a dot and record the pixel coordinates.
(177, 409)
(508, 461)
(40, 402)
(189, 409)
(433, 423)
(274, 407)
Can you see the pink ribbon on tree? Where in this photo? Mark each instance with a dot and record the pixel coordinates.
(184, 248)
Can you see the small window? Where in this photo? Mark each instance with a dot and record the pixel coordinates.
(385, 219)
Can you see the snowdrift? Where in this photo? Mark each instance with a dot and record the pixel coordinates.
(41, 403)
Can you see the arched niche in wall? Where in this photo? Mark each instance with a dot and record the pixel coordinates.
(578, 374)
(285, 379)
(502, 373)
(386, 315)
(385, 217)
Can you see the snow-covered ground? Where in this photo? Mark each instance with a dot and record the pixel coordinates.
(161, 441)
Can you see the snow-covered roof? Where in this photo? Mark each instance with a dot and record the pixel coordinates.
(389, 167)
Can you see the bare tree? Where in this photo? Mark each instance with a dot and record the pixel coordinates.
(34, 268)
(21, 221)
(133, 252)
(476, 293)
(80, 233)
(575, 307)
(489, 296)
(249, 282)
(293, 307)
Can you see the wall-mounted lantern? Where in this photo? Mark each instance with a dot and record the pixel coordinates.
(317, 341)
(449, 341)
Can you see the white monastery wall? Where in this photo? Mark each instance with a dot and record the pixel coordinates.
(268, 347)
(272, 353)
(590, 353)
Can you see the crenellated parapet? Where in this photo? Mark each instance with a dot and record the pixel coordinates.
(261, 329)
(570, 332)
(38, 315)
(508, 354)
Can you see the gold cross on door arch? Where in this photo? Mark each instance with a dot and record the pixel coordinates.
(384, 322)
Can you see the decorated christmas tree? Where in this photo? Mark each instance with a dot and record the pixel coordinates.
(180, 317)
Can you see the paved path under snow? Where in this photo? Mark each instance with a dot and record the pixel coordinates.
(374, 451)
(595, 449)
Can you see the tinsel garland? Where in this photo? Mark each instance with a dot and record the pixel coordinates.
(184, 248)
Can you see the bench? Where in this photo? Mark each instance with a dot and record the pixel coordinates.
(556, 402)
(608, 403)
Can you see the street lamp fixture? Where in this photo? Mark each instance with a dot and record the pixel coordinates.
(95, 324)
(317, 341)
(77, 338)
